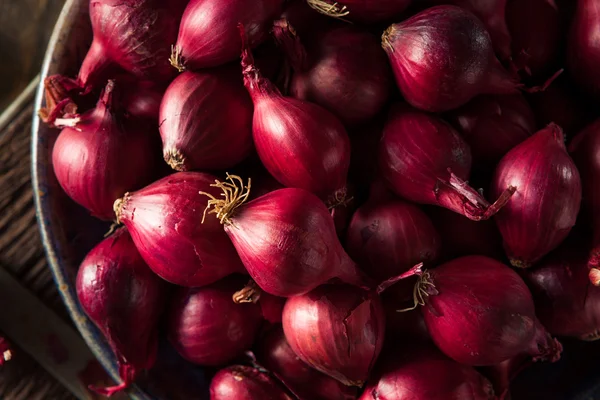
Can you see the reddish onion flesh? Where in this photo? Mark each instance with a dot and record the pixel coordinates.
(546, 202)
(364, 11)
(164, 221)
(286, 238)
(479, 312)
(442, 58)
(125, 299)
(275, 354)
(583, 57)
(301, 144)
(425, 373)
(330, 71)
(207, 328)
(206, 120)
(424, 160)
(208, 35)
(336, 329)
(103, 154)
(240, 382)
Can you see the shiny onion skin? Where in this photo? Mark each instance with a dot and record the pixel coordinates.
(125, 299)
(422, 372)
(583, 58)
(208, 34)
(479, 312)
(275, 354)
(566, 303)
(206, 120)
(331, 71)
(164, 220)
(387, 237)
(240, 382)
(492, 125)
(130, 35)
(286, 238)
(442, 58)
(300, 143)
(424, 160)
(546, 202)
(103, 154)
(207, 328)
(363, 11)
(336, 329)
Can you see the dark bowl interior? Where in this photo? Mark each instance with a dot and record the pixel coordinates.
(69, 232)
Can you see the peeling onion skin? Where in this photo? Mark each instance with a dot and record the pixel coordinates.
(442, 58)
(240, 382)
(336, 329)
(583, 59)
(205, 120)
(548, 188)
(207, 328)
(164, 220)
(567, 303)
(424, 373)
(125, 299)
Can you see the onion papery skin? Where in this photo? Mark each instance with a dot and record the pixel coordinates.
(479, 312)
(288, 244)
(388, 237)
(165, 222)
(103, 155)
(207, 328)
(240, 382)
(567, 304)
(424, 160)
(125, 300)
(130, 35)
(583, 59)
(363, 11)
(330, 71)
(492, 125)
(275, 354)
(206, 120)
(208, 34)
(300, 143)
(442, 58)
(336, 329)
(544, 208)
(425, 373)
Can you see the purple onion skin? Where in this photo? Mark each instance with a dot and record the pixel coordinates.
(144, 101)
(104, 155)
(336, 329)
(425, 373)
(544, 208)
(482, 313)
(208, 35)
(567, 304)
(388, 237)
(206, 121)
(492, 125)
(207, 328)
(131, 35)
(583, 58)
(442, 58)
(288, 243)
(337, 78)
(239, 382)
(125, 299)
(165, 221)
(364, 11)
(275, 354)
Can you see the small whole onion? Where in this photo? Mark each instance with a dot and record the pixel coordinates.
(207, 328)
(206, 120)
(583, 58)
(336, 329)
(544, 207)
(239, 382)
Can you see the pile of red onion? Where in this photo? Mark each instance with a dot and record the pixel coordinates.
(352, 200)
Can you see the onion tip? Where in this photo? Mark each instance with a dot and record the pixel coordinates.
(175, 159)
(330, 9)
(249, 294)
(176, 58)
(118, 207)
(385, 39)
(235, 194)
